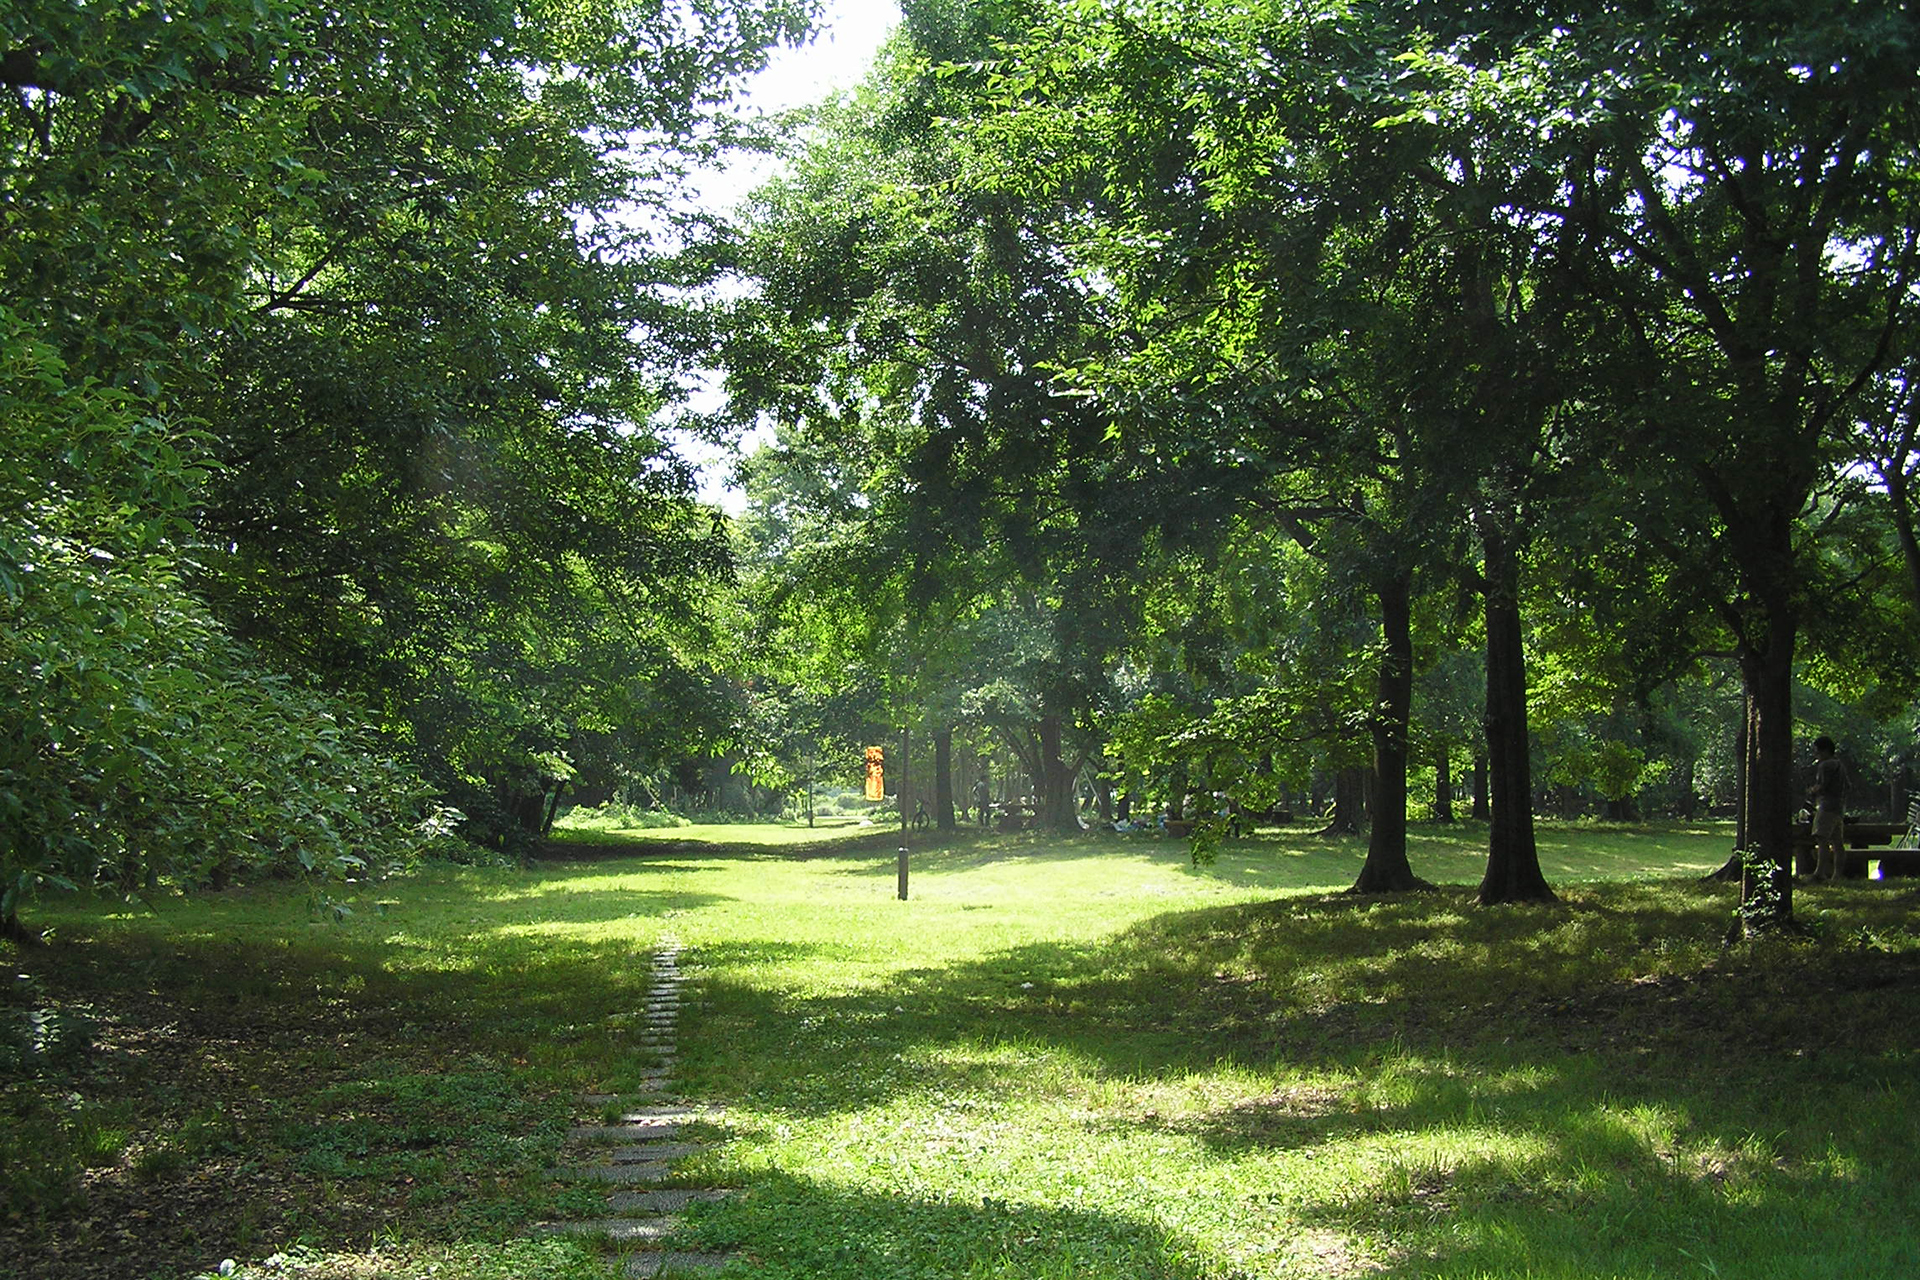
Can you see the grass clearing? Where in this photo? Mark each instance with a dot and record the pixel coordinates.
(1078, 1058)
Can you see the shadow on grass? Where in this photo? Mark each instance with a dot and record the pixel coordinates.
(232, 1091)
(1571, 1195)
(1633, 975)
(1592, 1088)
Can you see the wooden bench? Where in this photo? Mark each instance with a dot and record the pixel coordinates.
(1896, 842)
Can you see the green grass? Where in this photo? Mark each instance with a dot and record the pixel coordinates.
(1059, 1058)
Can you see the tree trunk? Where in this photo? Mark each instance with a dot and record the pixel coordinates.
(1743, 769)
(1767, 674)
(1056, 798)
(1481, 809)
(1349, 799)
(1386, 869)
(13, 931)
(1900, 503)
(1732, 869)
(943, 778)
(1443, 786)
(1513, 860)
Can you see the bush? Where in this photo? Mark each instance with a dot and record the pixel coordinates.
(615, 816)
(143, 743)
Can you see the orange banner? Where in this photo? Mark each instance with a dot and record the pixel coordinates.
(876, 773)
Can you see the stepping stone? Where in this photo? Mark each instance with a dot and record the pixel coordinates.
(664, 1266)
(636, 1131)
(641, 1202)
(617, 1230)
(655, 1073)
(598, 1099)
(641, 1115)
(646, 1152)
(623, 1174)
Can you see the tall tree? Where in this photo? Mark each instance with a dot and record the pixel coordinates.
(1735, 187)
(372, 273)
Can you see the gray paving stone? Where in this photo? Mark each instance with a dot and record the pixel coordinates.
(598, 1099)
(646, 1152)
(617, 1230)
(665, 1266)
(632, 1131)
(640, 1115)
(655, 1073)
(623, 1174)
(670, 1201)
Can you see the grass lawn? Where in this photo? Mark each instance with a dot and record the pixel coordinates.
(1060, 1058)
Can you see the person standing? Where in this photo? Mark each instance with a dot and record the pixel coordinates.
(1829, 795)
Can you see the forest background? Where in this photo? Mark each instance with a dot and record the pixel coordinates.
(1285, 401)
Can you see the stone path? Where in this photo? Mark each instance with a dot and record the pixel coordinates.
(639, 1148)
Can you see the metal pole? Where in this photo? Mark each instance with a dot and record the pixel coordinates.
(905, 747)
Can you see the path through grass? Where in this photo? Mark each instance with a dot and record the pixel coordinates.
(1059, 1059)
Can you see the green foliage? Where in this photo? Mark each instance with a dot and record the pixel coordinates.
(386, 271)
(145, 744)
(615, 816)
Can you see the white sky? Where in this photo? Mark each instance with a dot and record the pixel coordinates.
(851, 32)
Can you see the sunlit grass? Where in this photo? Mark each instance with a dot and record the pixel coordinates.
(1090, 1058)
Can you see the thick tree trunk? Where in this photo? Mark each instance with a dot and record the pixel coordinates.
(1513, 860)
(1482, 808)
(1056, 797)
(1743, 770)
(1386, 869)
(1732, 869)
(1768, 676)
(1349, 802)
(943, 778)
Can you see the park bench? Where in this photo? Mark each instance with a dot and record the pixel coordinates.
(1898, 845)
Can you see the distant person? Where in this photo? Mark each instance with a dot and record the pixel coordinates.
(982, 799)
(1829, 796)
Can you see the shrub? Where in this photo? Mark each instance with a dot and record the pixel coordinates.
(143, 743)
